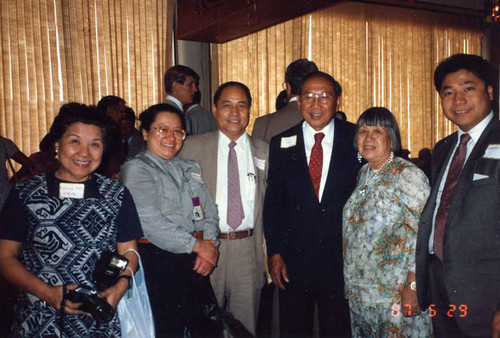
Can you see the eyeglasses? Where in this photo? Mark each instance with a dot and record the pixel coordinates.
(164, 131)
(323, 98)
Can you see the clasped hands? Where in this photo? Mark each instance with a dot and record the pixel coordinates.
(207, 256)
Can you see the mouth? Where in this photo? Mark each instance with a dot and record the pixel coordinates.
(234, 121)
(81, 163)
(460, 112)
(168, 145)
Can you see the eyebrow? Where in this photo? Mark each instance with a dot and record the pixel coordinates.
(230, 101)
(460, 84)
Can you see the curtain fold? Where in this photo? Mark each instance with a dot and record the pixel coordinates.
(381, 55)
(58, 51)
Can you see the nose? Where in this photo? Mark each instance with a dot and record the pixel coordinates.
(459, 98)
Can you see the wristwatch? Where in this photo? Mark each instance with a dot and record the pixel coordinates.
(128, 278)
(413, 286)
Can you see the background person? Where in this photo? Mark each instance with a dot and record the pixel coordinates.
(178, 217)
(55, 226)
(380, 224)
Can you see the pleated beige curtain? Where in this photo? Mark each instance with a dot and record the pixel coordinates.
(259, 60)
(60, 51)
(381, 55)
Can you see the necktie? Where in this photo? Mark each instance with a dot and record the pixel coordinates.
(316, 162)
(235, 213)
(454, 172)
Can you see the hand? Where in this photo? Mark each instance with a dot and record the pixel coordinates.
(207, 251)
(495, 325)
(409, 302)
(203, 267)
(277, 269)
(114, 293)
(55, 297)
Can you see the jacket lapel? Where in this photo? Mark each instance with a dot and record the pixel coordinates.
(211, 147)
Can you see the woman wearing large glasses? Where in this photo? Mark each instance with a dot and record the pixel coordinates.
(178, 217)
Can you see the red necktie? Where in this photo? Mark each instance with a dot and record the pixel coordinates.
(454, 172)
(316, 162)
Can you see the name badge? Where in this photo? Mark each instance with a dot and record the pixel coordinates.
(197, 177)
(287, 142)
(71, 190)
(198, 213)
(493, 152)
(259, 163)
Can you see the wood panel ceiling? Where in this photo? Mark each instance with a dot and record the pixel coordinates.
(219, 21)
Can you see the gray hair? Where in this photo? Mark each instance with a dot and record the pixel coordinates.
(380, 116)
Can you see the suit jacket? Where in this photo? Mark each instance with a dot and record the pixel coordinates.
(306, 232)
(203, 149)
(267, 126)
(136, 144)
(201, 121)
(471, 244)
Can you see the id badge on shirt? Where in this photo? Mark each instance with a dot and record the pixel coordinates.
(71, 190)
(198, 213)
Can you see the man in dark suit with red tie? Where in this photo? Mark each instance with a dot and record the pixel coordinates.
(312, 172)
(458, 246)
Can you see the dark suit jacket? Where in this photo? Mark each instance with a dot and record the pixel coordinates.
(203, 149)
(308, 234)
(267, 126)
(471, 245)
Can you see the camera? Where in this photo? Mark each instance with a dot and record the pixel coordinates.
(105, 275)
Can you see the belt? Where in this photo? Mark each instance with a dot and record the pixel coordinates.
(236, 234)
(196, 234)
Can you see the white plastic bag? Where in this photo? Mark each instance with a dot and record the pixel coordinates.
(134, 309)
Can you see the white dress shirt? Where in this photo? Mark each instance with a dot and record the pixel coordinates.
(176, 101)
(326, 144)
(475, 133)
(247, 181)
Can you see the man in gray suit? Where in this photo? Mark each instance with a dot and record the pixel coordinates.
(201, 121)
(180, 85)
(267, 126)
(238, 191)
(458, 243)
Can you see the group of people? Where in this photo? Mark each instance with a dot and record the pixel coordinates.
(353, 232)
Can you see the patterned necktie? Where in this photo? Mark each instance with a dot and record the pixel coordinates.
(235, 213)
(316, 162)
(454, 172)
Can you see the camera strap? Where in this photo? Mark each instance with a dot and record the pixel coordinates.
(62, 308)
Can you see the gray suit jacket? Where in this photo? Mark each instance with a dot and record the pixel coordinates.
(471, 245)
(203, 149)
(267, 126)
(201, 121)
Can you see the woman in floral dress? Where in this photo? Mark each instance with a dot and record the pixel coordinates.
(380, 224)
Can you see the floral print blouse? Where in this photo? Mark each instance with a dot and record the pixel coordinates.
(380, 224)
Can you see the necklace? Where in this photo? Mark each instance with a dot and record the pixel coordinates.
(372, 173)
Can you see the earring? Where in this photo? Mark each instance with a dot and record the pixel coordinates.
(360, 158)
(57, 150)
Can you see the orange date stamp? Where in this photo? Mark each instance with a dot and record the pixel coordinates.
(452, 311)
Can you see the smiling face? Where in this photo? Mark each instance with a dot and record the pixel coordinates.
(164, 144)
(184, 92)
(374, 144)
(79, 151)
(232, 112)
(317, 102)
(465, 99)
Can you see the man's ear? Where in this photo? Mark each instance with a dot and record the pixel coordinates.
(489, 89)
(288, 91)
(339, 103)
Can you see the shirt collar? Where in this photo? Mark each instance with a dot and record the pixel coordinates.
(476, 132)
(242, 141)
(309, 132)
(176, 101)
(293, 98)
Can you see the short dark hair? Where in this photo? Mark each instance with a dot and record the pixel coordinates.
(109, 102)
(380, 116)
(178, 74)
(148, 116)
(223, 86)
(296, 73)
(475, 64)
(337, 89)
(73, 113)
(281, 100)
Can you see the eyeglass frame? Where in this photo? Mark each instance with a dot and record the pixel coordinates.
(322, 97)
(159, 133)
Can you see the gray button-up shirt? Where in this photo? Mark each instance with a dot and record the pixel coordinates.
(163, 192)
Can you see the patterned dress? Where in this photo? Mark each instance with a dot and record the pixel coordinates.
(64, 238)
(380, 223)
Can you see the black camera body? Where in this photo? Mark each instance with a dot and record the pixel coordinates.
(106, 274)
